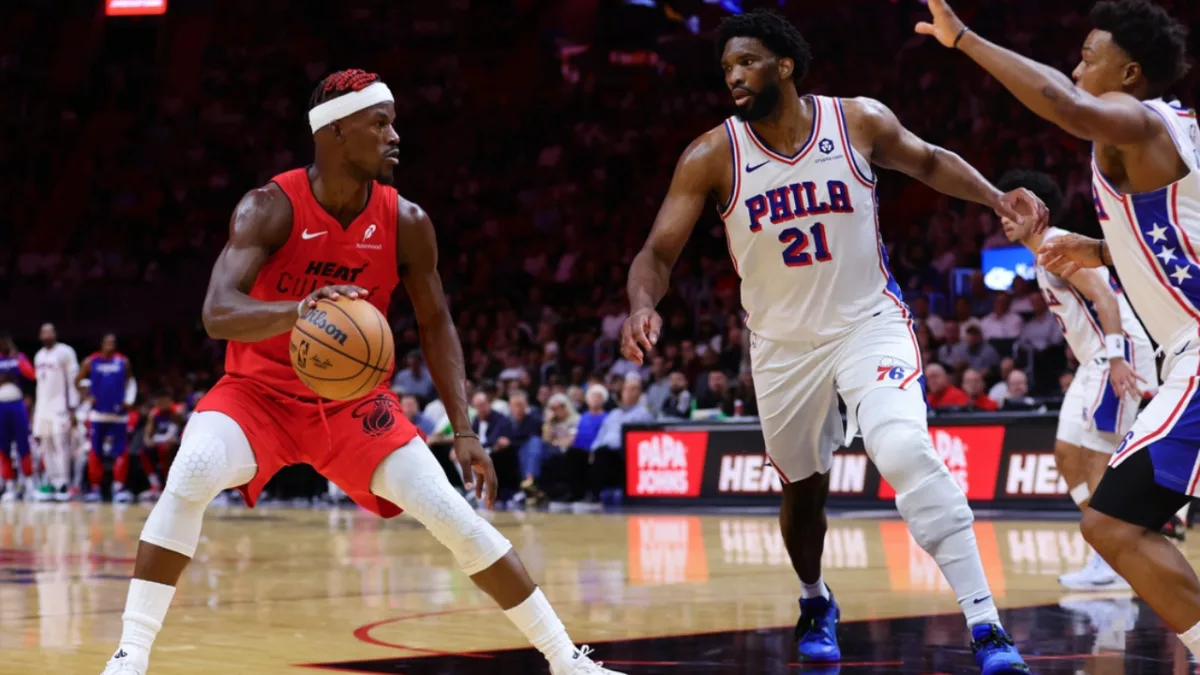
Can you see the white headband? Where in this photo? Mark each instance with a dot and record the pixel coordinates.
(348, 104)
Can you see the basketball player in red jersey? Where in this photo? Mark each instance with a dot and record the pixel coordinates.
(331, 229)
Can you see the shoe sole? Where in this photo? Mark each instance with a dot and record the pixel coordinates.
(1118, 585)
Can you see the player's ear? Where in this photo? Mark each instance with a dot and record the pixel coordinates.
(1130, 73)
(787, 66)
(336, 128)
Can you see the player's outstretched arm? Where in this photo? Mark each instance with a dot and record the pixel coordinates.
(696, 176)
(892, 146)
(260, 225)
(417, 253)
(1112, 119)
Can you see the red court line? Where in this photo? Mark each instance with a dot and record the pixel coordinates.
(363, 633)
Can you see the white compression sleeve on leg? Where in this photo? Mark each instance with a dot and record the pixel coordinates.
(413, 480)
(214, 455)
(936, 510)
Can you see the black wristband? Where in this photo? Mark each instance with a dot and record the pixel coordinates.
(958, 38)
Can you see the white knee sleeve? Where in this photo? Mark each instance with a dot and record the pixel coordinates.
(413, 480)
(213, 456)
(897, 438)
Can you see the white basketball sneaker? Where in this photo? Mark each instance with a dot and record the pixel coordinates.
(124, 664)
(580, 664)
(1095, 576)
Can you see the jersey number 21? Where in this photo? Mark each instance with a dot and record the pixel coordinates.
(796, 254)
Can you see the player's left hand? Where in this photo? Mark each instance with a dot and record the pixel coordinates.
(1124, 379)
(1022, 206)
(1066, 255)
(477, 470)
(946, 25)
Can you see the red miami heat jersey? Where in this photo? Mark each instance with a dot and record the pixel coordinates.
(319, 252)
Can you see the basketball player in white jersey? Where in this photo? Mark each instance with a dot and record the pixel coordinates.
(1146, 182)
(793, 181)
(54, 412)
(1116, 368)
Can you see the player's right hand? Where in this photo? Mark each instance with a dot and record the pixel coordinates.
(1066, 255)
(1124, 379)
(640, 332)
(946, 25)
(335, 292)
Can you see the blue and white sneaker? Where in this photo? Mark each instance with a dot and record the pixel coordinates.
(816, 631)
(995, 652)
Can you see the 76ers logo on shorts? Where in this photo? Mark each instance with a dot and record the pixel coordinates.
(378, 414)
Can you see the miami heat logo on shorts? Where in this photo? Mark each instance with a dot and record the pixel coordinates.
(378, 414)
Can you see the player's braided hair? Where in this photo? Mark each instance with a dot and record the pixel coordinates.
(1151, 37)
(774, 31)
(1040, 184)
(341, 82)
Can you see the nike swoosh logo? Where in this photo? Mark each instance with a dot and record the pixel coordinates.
(1183, 348)
(982, 599)
(313, 235)
(751, 169)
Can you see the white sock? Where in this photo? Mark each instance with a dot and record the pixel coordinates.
(1191, 639)
(958, 558)
(817, 590)
(117, 486)
(145, 609)
(541, 626)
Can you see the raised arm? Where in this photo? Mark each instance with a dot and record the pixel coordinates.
(696, 177)
(417, 253)
(260, 225)
(875, 129)
(1112, 119)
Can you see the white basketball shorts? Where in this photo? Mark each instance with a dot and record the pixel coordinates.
(798, 384)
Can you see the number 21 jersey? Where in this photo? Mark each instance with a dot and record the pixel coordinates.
(803, 232)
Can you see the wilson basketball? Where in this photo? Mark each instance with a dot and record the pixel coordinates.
(341, 349)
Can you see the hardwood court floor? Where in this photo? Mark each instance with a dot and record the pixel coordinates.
(275, 590)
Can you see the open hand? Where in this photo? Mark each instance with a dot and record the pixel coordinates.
(1066, 255)
(946, 25)
(477, 470)
(640, 332)
(1124, 379)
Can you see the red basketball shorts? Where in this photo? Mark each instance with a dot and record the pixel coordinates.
(345, 441)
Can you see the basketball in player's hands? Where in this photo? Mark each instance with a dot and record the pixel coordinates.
(342, 348)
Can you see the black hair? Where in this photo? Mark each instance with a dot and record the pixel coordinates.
(1040, 184)
(1151, 37)
(339, 83)
(774, 31)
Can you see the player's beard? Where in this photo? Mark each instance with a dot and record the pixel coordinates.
(764, 103)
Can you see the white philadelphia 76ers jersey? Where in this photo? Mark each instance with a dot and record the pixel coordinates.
(56, 369)
(1079, 320)
(1154, 237)
(803, 233)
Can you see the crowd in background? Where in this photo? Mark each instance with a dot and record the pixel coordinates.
(541, 137)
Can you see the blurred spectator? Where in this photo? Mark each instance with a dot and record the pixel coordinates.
(608, 462)
(527, 438)
(999, 391)
(963, 315)
(717, 395)
(1002, 323)
(1042, 329)
(679, 400)
(495, 434)
(926, 344)
(952, 337)
(747, 394)
(415, 378)
(973, 387)
(980, 300)
(412, 410)
(590, 421)
(1018, 393)
(920, 309)
(575, 396)
(942, 392)
(1023, 294)
(558, 431)
(974, 352)
(660, 384)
